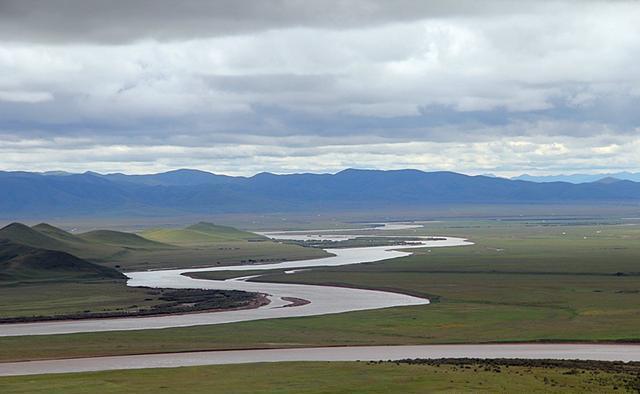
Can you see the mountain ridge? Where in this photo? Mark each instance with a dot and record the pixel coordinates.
(579, 178)
(183, 192)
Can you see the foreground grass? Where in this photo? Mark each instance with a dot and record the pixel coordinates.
(339, 377)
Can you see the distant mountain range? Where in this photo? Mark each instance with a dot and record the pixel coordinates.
(25, 194)
(580, 178)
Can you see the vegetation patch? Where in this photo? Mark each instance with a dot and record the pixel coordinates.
(362, 242)
(166, 301)
(410, 376)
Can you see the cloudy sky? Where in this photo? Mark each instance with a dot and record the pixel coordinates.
(239, 87)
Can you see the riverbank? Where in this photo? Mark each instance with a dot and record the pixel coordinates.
(175, 302)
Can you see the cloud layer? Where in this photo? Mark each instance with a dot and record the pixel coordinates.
(284, 86)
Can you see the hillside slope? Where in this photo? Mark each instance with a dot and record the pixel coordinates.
(98, 245)
(26, 263)
(224, 232)
(121, 239)
(200, 234)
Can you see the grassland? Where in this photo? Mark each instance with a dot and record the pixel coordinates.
(106, 299)
(64, 298)
(346, 377)
(519, 282)
(201, 233)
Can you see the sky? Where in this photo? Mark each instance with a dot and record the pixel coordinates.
(240, 87)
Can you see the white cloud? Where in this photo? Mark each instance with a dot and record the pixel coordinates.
(503, 157)
(25, 97)
(543, 81)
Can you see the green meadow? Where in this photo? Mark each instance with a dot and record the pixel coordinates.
(448, 376)
(73, 297)
(520, 281)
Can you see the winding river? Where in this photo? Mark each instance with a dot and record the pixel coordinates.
(322, 299)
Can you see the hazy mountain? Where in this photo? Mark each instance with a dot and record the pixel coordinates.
(579, 178)
(30, 194)
(182, 177)
(608, 180)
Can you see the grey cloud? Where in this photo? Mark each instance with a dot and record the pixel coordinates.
(120, 21)
(271, 83)
(450, 85)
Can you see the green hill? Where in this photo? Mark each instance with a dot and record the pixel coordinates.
(230, 233)
(26, 263)
(98, 245)
(197, 245)
(25, 235)
(200, 233)
(45, 236)
(58, 234)
(119, 238)
(178, 236)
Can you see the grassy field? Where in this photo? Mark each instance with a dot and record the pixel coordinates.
(520, 282)
(344, 377)
(47, 299)
(200, 234)
(95, 299)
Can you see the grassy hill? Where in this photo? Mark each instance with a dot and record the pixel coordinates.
(119, 238)
(96, 246)
(200, 233)
(226, 232)
(58, 234)
(25, 235)
(25, 263)
(49, 237)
